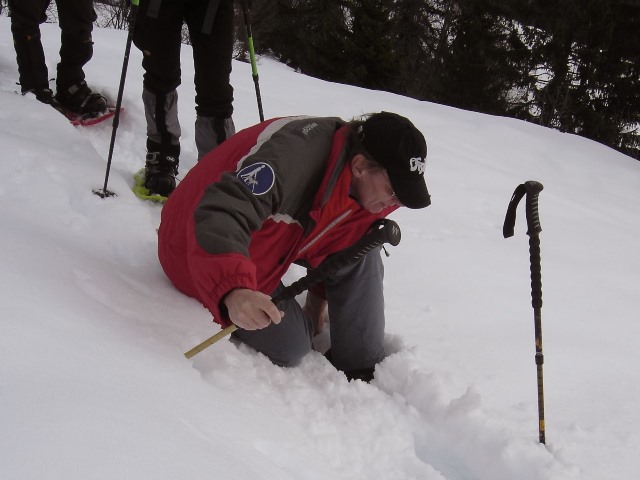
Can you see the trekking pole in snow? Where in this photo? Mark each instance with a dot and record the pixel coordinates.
(116, 118)
(532, 189)
(382, 231)
(252, 55)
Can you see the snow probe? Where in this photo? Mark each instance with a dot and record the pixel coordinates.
(252, 56)
(382, 231)
(116, 118)
(532, 189)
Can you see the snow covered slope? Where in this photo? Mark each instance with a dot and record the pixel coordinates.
(93, 381)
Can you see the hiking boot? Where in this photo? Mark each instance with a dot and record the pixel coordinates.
(44, 95)
(80, 99)
(364, 374)
(160, 173)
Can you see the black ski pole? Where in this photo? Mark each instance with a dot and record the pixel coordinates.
(133, 12)
(532, 189)
(382, 231)
(252, 56)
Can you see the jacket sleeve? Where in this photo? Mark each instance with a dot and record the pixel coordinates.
(280, 175)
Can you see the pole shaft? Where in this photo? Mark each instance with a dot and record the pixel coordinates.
(252, 57)
(210, 341)
(116, 118)
(536, 301)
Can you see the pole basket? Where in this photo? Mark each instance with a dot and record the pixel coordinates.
(103, 193)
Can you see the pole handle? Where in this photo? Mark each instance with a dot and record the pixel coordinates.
(381, 231)
(532, 189)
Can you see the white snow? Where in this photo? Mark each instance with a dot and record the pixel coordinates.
(93, 381)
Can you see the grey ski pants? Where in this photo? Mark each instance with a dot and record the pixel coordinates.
(356, 313)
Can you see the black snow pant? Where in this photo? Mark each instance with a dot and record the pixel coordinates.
(158, 34)
(75, 18)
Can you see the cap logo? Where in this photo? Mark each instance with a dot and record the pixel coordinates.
(259, 177)
(417, 163)
(307, 128)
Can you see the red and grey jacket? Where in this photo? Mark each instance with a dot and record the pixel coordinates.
(273, 194)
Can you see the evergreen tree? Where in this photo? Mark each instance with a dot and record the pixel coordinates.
(584, 57)
(476, 65)
(369, 56)
(567, 64)
(410, 37)
(307, 35)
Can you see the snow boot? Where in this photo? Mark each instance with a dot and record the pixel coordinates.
(80, 99)
(364, 374)
(160, 173)
(44, 95)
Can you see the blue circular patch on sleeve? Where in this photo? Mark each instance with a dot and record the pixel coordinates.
(258, 177)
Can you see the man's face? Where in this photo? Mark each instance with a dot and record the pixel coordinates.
(371, 186)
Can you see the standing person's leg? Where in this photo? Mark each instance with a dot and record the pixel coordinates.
(211, 30)
(76, 19)
(356, 313)
(157, 34)
(26, 17)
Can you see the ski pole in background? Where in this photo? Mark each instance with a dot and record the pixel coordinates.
(382, 231)
(133, 12)
(532, 189)
(252, 55)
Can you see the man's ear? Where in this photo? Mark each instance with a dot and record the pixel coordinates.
(358, 165)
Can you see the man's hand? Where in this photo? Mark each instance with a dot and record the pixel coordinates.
(251, 310)
(315, 308)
